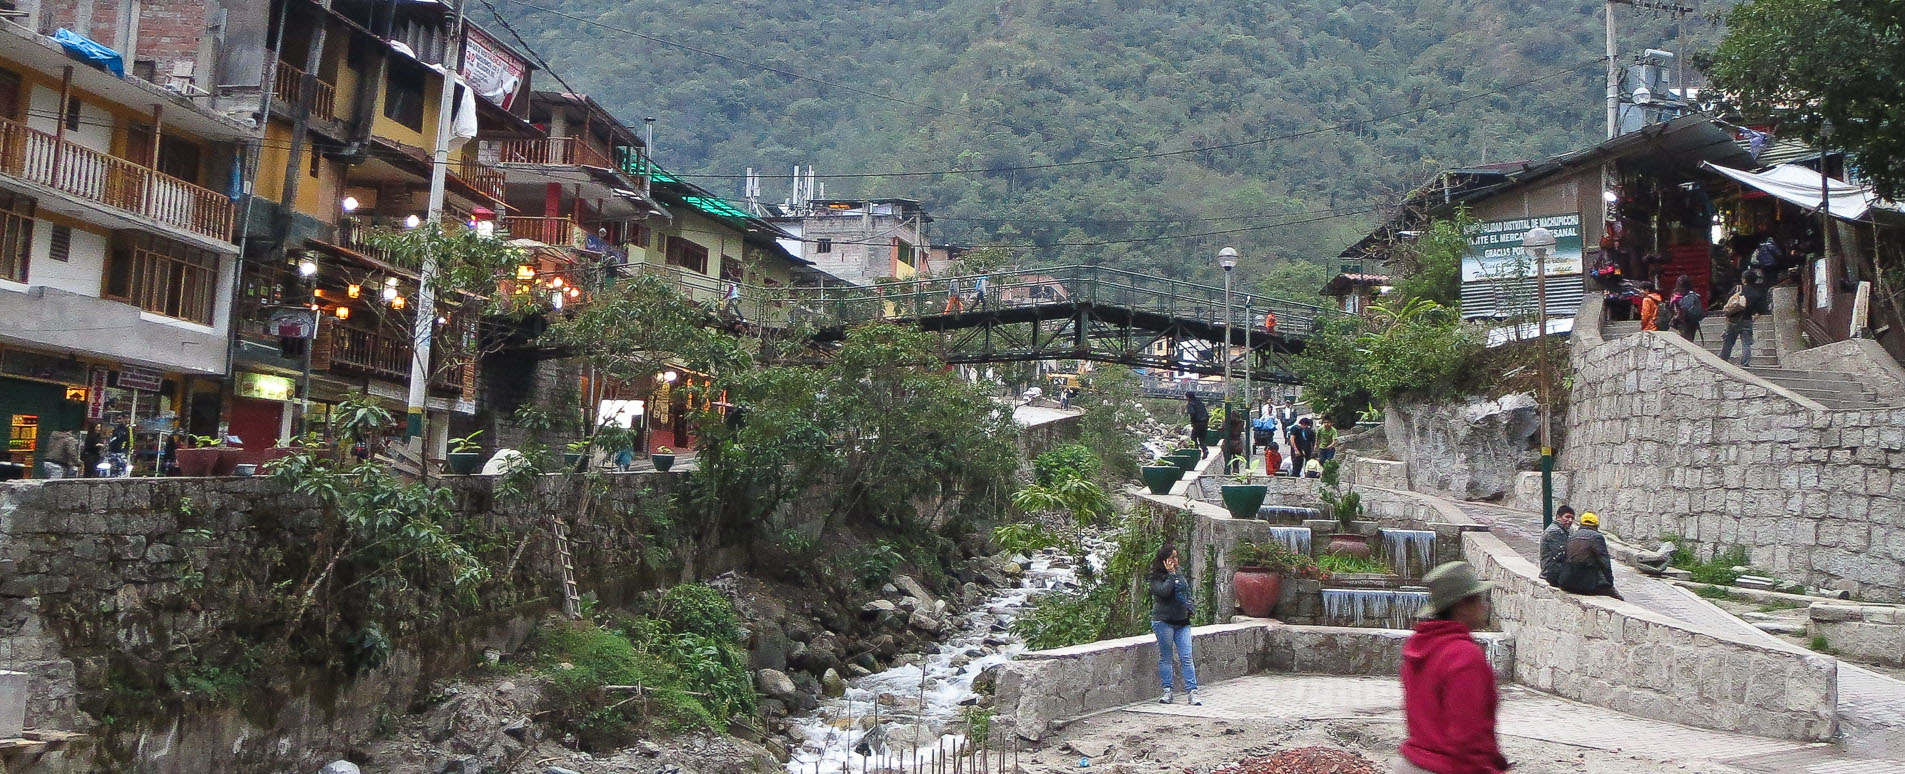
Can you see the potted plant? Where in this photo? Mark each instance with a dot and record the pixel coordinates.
(1345, 504)
(1257, 575)
(663, 457)
(573, 457)
(1160, 477)
(465, 455)
(1243, 499)
(201, 459)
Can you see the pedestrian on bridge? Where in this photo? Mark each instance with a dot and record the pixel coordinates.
(1200, 418)
(1448, 689)
(1270, 322)
(1171, 607)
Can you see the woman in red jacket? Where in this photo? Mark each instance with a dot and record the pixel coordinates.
(1448, 689)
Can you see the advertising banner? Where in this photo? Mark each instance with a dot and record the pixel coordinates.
(1494, 248)
(491, 69)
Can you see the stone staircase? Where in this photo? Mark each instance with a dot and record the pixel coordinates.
(1833, 389)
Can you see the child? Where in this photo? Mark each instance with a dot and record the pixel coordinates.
(1272, 459)
(1313, 468)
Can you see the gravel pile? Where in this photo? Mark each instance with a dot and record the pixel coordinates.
(1304, 760)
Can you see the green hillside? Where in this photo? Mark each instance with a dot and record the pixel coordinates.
(1017, 83)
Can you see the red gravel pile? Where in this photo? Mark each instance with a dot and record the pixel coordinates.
(1304, 760)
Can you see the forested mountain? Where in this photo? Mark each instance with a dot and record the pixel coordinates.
(1020, 83)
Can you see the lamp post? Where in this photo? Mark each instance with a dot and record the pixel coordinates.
(1228, 258)
(1539, 242)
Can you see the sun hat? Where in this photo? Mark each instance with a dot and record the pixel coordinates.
(1590, 520)
(1448, 584)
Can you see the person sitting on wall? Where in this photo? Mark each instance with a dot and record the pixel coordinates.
(1587, 568)
(1554, 543)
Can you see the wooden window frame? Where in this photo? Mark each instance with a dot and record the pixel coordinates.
(16, 236)
(687, 255)
(164, 277)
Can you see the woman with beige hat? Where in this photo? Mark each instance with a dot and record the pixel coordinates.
(1448, 688)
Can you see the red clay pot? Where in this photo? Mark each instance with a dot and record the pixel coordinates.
(1257, 590)
(197, 462)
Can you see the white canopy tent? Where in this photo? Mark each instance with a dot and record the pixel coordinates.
(1800, 185)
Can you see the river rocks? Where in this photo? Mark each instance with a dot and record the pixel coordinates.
(774, 683)
(769, 647)
(914, 589)
(856, 670)
(832, 684)
(1473, 451)
(876, 607)
(559, 770)
(987, 680)
(906, 737)
(340, 767)
(1012, 570)
(925, 623)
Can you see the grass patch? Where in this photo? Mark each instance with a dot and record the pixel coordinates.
(1819, 643)
(1774, 607)
(1712, 592)
(1718, 570)
(1338, 564)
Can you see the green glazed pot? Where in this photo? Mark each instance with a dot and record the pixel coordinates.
(1161, 477)
(1243, 500)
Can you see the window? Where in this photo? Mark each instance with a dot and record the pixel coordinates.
(72, 114)
(823, 245)
(687, 255)
(10, 93)
(403, 93)
(315, 159)
(164, 277)
(731, 269)
(180, 158)
(61, 244)
(16, 235)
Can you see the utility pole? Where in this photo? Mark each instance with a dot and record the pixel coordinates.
(1537, 243)
(426, 307)
(1613, 76)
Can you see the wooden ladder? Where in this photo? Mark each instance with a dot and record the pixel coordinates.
(571, 599)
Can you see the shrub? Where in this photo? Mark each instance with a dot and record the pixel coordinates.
(1070, 461)
(1271, 555)
(1338, 564)
(698, 608)
(580, 659)
(874, 564)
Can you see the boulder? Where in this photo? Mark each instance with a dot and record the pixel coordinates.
(987, 680)
(1473, 451)
(340, 767)
(925, 623)
(769, 647)
(877, 607)
(914, 589)
(559, 770)
(776, 684)
(832, 684)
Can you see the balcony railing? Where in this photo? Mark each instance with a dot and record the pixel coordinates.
(42, 158)
(549, 231)
(552, 151)
(290, 87)
(482, 177)
(370, 353)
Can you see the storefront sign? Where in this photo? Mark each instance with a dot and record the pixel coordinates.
(1494, 248)
(135, 378)
(33, 365)
(96, 394)
(495, 72)
(292, 323)
(265, 386)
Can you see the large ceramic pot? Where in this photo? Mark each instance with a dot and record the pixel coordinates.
(464, 463)
(1213, 437)
(1161, 477)
(228, 459)
(1257, 590)
(197, 462)
(662, 461)
(1186, 459)
(1243, 500)
(1349, 544)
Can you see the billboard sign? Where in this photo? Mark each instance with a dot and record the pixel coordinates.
(490, 68)
(1494, 248)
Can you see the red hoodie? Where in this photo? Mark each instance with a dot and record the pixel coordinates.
(1448, 702)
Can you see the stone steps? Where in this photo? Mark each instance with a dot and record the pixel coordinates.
(1832, 389)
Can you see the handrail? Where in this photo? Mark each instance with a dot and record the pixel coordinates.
(289, 85)
(483, 177)
(42, 158)
(552, 151)
(557, 231)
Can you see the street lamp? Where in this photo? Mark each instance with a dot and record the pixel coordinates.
(1228, 258)
(1538, 242)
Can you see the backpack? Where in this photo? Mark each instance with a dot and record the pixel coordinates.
(1690, 309)
(1735, 303)
(1767, 255)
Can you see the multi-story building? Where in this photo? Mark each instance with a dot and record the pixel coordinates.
(117, 248)
(859, 241)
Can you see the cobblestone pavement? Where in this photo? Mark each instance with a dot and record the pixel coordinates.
(1871, 705)
(1524, 713)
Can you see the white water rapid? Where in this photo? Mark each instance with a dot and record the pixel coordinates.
(922, 703)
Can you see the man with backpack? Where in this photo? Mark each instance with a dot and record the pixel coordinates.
(1586, 566)
(1687, 307)
(1747, 301)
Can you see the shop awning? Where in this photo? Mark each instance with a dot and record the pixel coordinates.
(1800, 185)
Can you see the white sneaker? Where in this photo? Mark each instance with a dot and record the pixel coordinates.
(1166, 699)
(1194, 700)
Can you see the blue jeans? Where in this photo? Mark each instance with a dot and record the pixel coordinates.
(1176, 638)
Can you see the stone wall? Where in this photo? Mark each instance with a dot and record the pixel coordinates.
(108, 585)
(1614, 654)
(1663, 437)
(1865, 358)
(1874, 634)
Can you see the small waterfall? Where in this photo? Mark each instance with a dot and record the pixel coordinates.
(1296, 539)
(1287, 513)
(1410, 551)
(1387, 608)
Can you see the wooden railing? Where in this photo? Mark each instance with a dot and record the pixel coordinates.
(290, 84)
(555, 151)
(41, 158)
(385, 356)
(482, 177)
(549, 231)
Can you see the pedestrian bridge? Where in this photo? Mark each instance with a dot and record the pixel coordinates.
(1065, 313)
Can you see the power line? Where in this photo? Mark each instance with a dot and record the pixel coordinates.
(526, 47)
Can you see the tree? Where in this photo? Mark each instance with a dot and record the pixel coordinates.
(1414, 349)
(1430, 266)
(1814, 64)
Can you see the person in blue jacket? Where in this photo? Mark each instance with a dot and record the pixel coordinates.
(1171, 609)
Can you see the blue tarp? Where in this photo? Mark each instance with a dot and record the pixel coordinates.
(83, 47)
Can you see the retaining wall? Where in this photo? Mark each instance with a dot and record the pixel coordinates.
(1873, 634)
(1614, 654)
(1665, 438)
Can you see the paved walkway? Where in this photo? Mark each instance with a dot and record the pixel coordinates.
(1524, 713)
(1871, 705)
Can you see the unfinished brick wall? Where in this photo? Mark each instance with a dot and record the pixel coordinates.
(165, 32)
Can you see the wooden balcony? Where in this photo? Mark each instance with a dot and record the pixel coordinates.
(381, 355)
(38, 157)
(556, 232)
(482, 177)
(549, 151)
(289, 89)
